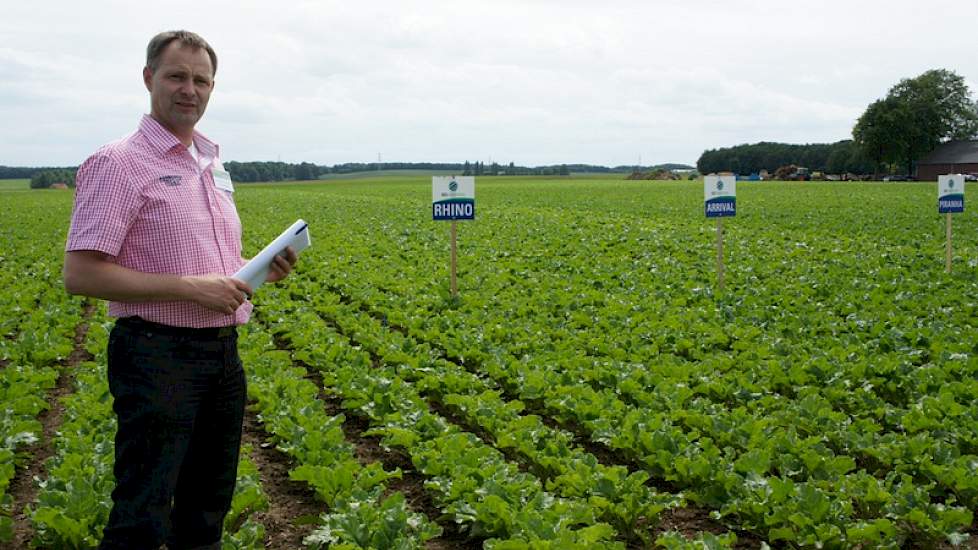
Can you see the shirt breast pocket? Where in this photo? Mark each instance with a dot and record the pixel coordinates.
(176, 211)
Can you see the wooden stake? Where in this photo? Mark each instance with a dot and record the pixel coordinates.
(948, 247)
(720, 254)
(454, 286)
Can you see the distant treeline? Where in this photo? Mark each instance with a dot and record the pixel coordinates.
(272, 171)
(281, 171)
(495, 169)
(832, 158)
(304, 171)
(23, 173)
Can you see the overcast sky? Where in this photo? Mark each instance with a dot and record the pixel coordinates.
(533, 82)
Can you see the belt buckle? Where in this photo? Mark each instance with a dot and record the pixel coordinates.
(224, 332)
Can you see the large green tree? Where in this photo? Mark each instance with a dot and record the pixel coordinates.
(876, 133)
(917, 115)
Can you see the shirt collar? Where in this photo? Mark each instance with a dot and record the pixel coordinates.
(163, 140)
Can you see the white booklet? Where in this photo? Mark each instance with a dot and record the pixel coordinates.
(255, 271)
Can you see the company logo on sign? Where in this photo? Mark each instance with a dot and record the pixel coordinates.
(720, 185)
(453, 186)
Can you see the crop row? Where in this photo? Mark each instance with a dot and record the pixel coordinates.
(73, 501)
(361, 513)
(620, 497)
(458, 465)
(787, 394)
(739, 485)
(36, 333)
(774, 475)
(74, 498)
(39, 318)
(392, 385)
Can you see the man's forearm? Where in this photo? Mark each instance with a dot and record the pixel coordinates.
(89, 274)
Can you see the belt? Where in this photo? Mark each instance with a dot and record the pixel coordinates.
(207, 333)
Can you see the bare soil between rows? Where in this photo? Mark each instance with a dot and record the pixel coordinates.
(288, 500)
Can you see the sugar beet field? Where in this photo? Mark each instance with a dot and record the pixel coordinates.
(588, 388)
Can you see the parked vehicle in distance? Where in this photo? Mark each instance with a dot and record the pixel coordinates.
(791, 172)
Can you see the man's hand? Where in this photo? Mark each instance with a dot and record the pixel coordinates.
(281, 267)
(217, 293)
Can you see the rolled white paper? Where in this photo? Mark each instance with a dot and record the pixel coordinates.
(256, 270)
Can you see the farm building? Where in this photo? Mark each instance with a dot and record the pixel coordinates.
(953, 157)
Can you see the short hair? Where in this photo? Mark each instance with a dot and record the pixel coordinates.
(159, 43)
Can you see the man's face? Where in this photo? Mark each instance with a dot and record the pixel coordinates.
(180, 87)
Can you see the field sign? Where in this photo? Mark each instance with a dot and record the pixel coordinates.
(453, 198)
(720, 196)
(950, 194)
(720, 201)
(950, 200)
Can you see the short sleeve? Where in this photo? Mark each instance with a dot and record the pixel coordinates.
(106, 204)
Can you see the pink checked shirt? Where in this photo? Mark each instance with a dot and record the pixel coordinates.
(149, 205)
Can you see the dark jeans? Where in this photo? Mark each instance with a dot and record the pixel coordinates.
(179, 397)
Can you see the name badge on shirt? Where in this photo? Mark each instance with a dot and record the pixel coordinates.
(222, 180)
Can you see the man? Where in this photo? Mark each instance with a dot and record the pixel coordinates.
(155, 231)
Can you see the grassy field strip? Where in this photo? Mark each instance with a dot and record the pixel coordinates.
(15, 184)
